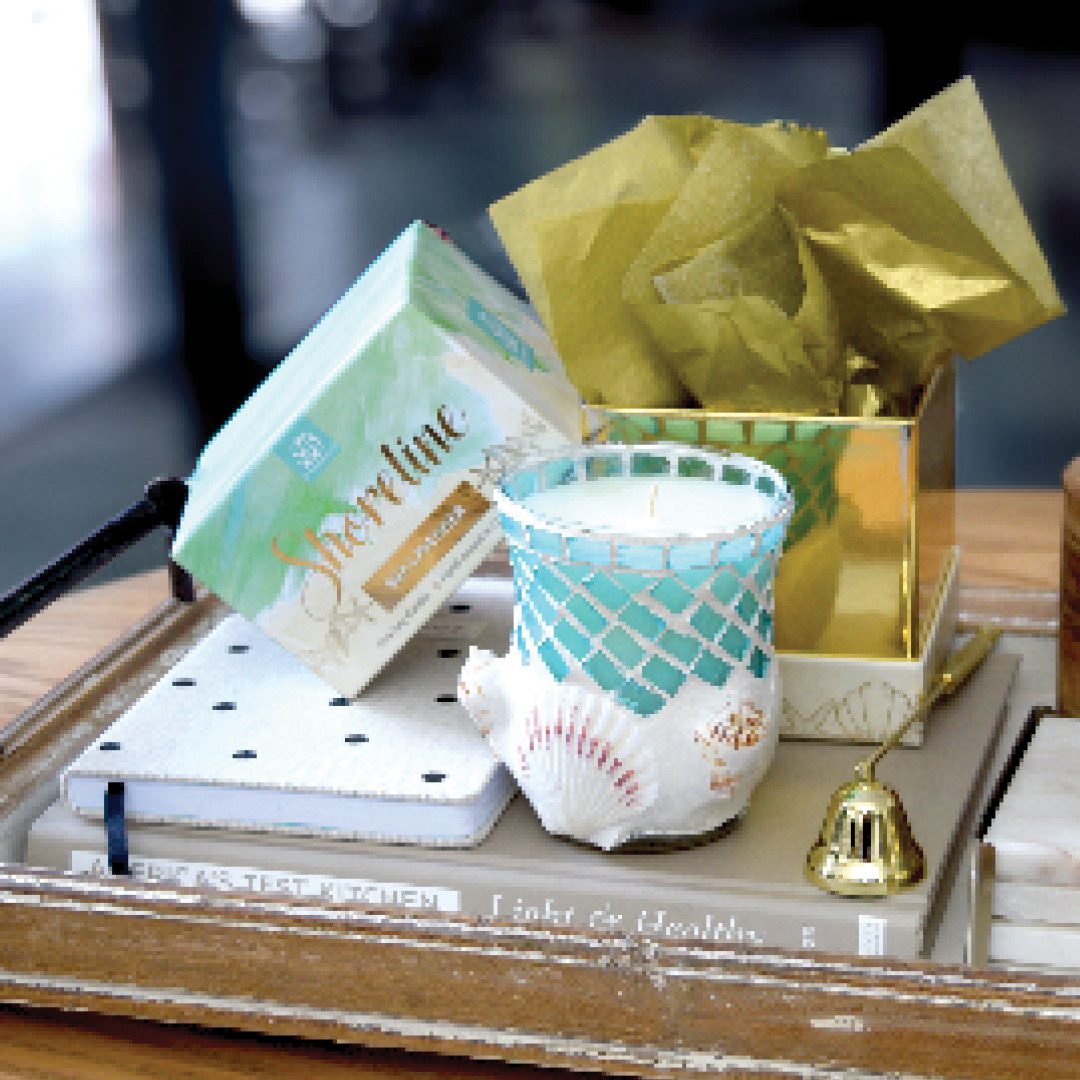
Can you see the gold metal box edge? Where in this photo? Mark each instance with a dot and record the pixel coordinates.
(874, 515)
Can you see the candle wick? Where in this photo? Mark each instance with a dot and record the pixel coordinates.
(652, 499)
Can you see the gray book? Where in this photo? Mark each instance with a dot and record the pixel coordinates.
(745, 887)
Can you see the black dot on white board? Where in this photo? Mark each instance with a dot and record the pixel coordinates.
(244, 755)
(224, 706)
(341, 701)
(357, 737)
(183, 682)
(239, 648)
(109, 746)
(433, 777)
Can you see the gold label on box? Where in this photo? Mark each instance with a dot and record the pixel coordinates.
(426, 545)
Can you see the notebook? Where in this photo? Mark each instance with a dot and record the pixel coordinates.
(240, 734)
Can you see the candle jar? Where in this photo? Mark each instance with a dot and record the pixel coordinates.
(639, 697)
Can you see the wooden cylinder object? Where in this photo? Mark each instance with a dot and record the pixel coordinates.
(1068, 702)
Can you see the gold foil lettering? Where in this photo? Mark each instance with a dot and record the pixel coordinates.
(317, 567)
(446, 422)
(382, 488)
(425, 449)
(455, 520)
(369, 511)
(316, 542)
(348, 540)
(397, 466)
(436, 437)
(412, 459)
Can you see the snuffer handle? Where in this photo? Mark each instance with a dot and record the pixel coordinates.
(953, 673)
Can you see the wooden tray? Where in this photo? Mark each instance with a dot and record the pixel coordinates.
(602, 1001)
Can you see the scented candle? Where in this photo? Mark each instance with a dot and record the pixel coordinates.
(642, 635)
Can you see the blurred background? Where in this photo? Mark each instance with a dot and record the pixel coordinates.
(186, 187)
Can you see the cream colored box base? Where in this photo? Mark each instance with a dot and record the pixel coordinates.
(861, 699)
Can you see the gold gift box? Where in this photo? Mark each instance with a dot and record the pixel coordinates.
(865, 593)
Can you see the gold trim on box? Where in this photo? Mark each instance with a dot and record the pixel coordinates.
(856, 556)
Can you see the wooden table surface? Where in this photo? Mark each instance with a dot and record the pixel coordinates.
(1011, 561)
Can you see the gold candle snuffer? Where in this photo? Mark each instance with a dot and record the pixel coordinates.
(866, 847)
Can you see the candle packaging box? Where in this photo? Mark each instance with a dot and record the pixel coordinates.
(349, 496)
(866, 587)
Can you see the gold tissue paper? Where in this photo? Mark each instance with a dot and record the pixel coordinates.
(698, 262)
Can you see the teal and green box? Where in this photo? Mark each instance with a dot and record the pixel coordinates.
(349, 496)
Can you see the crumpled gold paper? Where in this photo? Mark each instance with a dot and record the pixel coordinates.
(701, 262)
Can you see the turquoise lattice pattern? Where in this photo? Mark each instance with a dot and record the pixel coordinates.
(641, 615)
(639, 635)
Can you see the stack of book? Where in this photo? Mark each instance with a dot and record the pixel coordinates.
(241, 735)
(212, 829)
(1035, 836)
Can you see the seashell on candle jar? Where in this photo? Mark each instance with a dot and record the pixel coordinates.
(639, 698)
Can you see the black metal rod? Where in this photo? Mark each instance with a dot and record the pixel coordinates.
(161, 505)
(1012, 763)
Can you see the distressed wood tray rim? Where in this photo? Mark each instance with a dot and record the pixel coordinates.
(593, 1000)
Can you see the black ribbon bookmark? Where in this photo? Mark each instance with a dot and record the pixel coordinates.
(116, 828)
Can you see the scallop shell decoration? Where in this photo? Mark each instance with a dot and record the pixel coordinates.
(585, 764)
(595, 771)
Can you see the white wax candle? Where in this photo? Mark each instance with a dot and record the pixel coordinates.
(660, 506)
